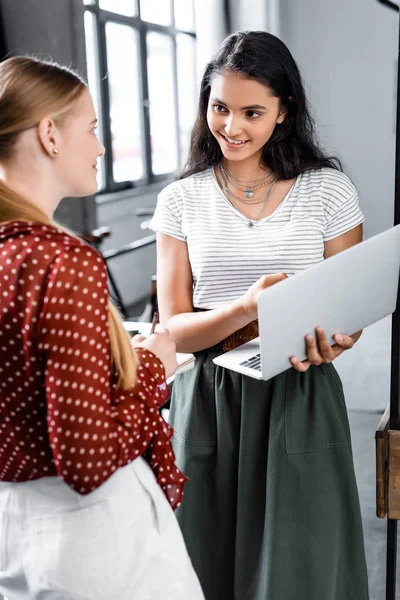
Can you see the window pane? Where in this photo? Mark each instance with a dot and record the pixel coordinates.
(184, 14)
(124, 86)
(93, 74)
(162, 103)
(187, 89)
(122, 7)
(88, 1)
(156, 11)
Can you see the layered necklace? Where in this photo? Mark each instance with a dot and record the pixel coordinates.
(247, 188)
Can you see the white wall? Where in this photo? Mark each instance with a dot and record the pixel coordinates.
(210, 31)
(212, 26)
(347, 52)
(249, 15)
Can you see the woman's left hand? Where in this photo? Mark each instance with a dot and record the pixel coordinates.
(320, 351)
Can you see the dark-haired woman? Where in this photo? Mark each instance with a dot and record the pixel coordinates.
(272, 510)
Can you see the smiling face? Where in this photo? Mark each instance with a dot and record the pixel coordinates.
(242, 114)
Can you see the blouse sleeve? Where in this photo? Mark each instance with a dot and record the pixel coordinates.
(94, 428)
(168, 214)
(342, 214)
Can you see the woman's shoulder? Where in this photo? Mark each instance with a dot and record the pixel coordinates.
(38, 231)
(189, 186)
(329, 181)
(46, 241)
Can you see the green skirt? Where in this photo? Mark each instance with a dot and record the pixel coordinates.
(271, 509)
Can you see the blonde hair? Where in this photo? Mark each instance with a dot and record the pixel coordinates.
(31, 89)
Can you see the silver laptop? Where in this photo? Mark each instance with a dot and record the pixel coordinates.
(341, 294)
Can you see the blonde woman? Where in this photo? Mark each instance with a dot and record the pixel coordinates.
(82, 513)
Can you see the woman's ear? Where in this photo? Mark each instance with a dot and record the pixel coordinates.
(282, 114)
(284, 110)
(48, 135)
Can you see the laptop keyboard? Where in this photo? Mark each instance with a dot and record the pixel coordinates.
(254, 362)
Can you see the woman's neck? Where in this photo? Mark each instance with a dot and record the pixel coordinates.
(246, 170)
(39, 191)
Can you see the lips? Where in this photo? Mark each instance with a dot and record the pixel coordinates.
(233, 143)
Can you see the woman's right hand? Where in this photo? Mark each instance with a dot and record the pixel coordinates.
(161, 344)
(249, 300)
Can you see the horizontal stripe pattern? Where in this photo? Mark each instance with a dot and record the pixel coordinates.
(227, 256)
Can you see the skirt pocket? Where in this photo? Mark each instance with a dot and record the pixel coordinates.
(315, 411)
(193, 411)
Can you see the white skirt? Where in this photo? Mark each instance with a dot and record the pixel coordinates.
(121, 542)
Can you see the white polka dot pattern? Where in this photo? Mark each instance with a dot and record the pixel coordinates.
(60, 411)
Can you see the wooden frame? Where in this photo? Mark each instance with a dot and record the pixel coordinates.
(387, 445)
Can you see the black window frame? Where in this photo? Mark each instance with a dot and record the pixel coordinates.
(101, 18)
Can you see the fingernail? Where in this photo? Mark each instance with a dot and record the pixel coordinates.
(339, 338)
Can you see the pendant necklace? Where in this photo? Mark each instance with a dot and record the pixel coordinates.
(253, 222)
(224, 185)
(263, 202)
(249, 186)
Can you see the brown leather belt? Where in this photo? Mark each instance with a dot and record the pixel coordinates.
(237, 338)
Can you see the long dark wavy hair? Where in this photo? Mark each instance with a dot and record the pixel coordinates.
(293, 148)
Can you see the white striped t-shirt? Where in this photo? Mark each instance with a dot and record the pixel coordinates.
(227, 256)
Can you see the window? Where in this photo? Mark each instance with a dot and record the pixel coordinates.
(141, 67)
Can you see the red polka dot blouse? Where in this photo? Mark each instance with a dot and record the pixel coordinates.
(60, 411)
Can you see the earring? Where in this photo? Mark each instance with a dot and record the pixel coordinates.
(55, 150)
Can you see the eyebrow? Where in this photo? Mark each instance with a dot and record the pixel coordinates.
(251, 107)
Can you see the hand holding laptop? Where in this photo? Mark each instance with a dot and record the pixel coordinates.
(319, 350)
(250, 298)
(343, 294)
